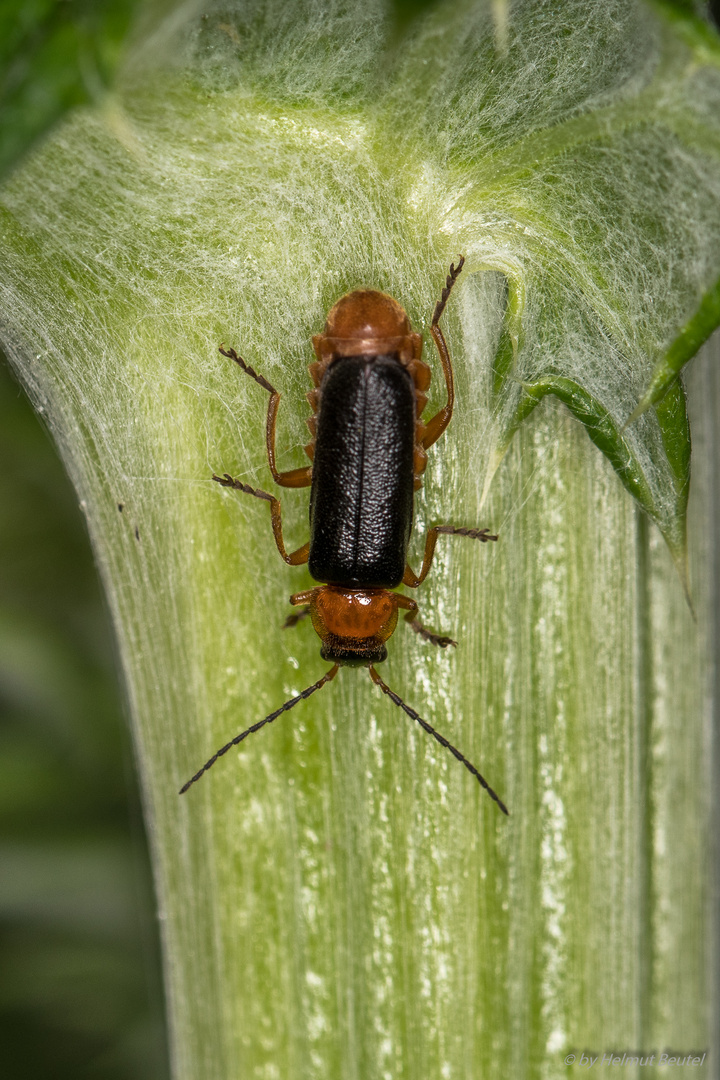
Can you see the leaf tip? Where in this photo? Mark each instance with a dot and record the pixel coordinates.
(642, 406)
(496, 456)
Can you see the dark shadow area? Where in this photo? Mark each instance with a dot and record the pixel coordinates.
(80, 983)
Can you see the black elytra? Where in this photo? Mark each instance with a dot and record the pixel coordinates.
(368, 452)
(361, 501)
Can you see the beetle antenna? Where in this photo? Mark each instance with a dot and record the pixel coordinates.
(436, 735)
(256, 727)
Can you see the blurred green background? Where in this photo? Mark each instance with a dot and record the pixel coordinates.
(80, 980)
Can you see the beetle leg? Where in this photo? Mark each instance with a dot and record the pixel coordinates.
(435, 427)
(411, 578)
(303, 597)
(302, 600)
(295, 558)
(294, 619)
(413, 620)
(294, 478)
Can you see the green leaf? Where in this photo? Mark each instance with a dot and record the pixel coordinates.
(54, 56)
(669, 513)
(511, 341)
(685, 346)
(576, 258)
(691, 21)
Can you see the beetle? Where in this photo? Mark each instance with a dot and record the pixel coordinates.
(368, 454)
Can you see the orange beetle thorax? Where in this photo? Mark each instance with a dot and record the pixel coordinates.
(366, 313)
(366, 323)
(354, 613)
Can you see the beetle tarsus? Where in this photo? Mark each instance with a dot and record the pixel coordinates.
(294, 619)
(445, 294)
(411, 579)
(232, 355)
(226, 480)
(435, 639)
(474, 534)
